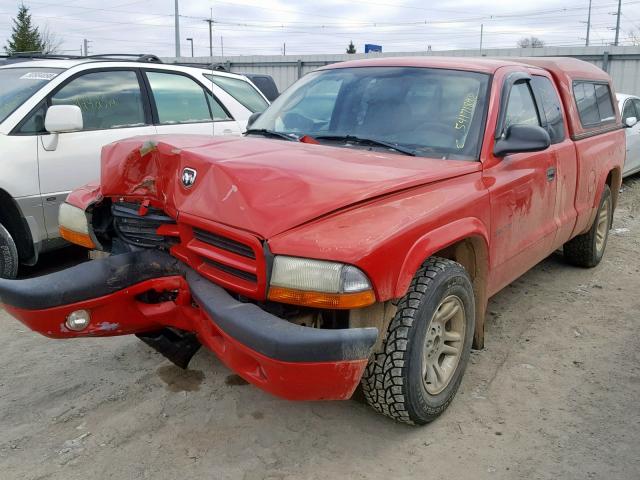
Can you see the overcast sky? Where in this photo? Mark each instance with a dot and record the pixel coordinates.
(261, 27)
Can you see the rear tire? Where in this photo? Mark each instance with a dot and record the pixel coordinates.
(8, 255)
(587, 250)
(427, 347)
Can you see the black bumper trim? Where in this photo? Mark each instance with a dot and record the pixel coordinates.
(274, 337)
(247, 323)
(88, 280)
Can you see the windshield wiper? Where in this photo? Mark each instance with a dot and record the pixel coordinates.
(272, 133)
(369, 141)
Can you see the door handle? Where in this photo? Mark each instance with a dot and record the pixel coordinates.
(551, 173)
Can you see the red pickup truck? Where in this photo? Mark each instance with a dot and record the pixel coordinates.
(356, 232)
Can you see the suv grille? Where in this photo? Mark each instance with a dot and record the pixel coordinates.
(140, 230)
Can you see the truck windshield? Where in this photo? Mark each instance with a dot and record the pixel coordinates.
(19, 84)
(431, 112)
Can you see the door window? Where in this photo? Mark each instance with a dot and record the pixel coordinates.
(34, 123)
(109, 99)
(180, 99)
(636, 104)
(629, 110)
(521, 109)
(242, 91)
(551, 107)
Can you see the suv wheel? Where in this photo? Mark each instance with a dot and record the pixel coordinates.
(427, 347)
(587, 250)
(8, 255)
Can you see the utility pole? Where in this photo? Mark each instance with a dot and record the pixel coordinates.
(177, 18)
(85, 44)
(210, 22)
(222, 46)
(618, 23)
(191, 40)
(481, 35)
(284, 48)
(588, 25)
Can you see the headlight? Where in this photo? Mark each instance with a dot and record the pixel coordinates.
(74, 226)
(318, 283)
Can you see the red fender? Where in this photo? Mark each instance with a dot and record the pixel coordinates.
(435, 241)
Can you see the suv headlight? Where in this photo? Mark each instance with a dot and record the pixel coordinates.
(319, 283)
(74, 225)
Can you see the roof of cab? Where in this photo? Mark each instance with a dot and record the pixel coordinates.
(484, 65)
(571, 67)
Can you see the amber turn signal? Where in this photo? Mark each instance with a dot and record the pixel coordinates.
(322, 300)
(82, 239)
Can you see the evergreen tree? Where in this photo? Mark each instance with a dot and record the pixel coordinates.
(25, 36)
(351, 48)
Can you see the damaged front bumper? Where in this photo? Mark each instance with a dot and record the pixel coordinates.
(287, 360)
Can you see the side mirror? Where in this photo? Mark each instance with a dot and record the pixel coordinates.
(630, 122)
(252, 119)
(63, 119)
(522, 138)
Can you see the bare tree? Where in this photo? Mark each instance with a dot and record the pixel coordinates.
(530, 42)
(51, 43)
(633, 37)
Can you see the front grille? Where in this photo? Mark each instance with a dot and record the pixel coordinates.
(249, 277)
(141, 230)
(231, 258)
(224, 243)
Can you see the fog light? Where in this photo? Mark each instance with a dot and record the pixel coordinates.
(78, 320)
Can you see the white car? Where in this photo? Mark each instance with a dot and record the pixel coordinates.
(57, 113)
(629, 106)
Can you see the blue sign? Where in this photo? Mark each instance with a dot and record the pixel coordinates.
(370, 47)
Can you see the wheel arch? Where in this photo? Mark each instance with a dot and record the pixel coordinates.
(464, 241)
(15, 223)
(614, 180)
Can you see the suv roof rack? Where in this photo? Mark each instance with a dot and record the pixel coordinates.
(218, 67)
(134, 57)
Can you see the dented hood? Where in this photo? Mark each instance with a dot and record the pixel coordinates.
(265, 186)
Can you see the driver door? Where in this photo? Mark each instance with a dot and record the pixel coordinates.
(523, 196)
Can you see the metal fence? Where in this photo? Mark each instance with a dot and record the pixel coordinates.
(622, 63)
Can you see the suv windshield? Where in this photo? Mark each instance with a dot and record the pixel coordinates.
(18, 84)
(432, 112)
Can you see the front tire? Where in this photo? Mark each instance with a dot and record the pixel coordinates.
(427, 347)
(8, 255)
(587, 250)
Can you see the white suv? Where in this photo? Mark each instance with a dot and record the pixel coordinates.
(57, 113)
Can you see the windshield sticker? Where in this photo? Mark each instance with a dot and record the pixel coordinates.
(464, 117)
(39, 76)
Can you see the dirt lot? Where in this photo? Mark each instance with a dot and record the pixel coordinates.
(553, 396)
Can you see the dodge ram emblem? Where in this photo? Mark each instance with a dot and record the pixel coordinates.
(189, 177)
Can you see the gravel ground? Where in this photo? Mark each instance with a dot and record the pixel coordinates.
(554, 395)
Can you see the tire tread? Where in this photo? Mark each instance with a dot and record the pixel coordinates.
(383, 382)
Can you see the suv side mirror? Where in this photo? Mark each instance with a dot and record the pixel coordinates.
(522, 138)
(630, 122)
(63, 119)
(252, 119)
